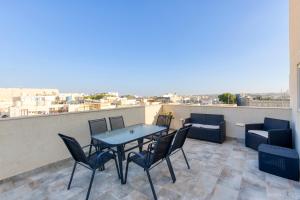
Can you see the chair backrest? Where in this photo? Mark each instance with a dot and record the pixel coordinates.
(179, 139)
(116, 122)
(74, 148)
(271, 123)
(164, 120)
(161, 148)
(209, 119)
(98, 126)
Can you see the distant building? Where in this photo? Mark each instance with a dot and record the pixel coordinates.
(284, 103)
(72, 97)
(173, 97)
(163, 99)
(9, 93)
(115, 94)
(274, 100)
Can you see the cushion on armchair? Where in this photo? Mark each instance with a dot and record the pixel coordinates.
(260, 132)
(196, 125)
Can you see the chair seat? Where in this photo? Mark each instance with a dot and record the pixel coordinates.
(141, 160)
(264, 134)
(105, 157)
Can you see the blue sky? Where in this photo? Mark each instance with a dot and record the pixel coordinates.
(145, 47)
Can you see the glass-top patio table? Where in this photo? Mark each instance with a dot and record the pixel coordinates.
(123, 136)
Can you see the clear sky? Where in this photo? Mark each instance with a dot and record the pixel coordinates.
(145, 47)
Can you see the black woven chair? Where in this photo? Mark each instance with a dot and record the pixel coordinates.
(116, 122)
(92, 162)
(156, 153)
(273, 131)
(97, 126)
(165, 121)
(162, 120)
(178, 142)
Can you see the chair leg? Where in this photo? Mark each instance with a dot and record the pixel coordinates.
(187, 163)
(90, 150)
(102, 168)
(171, 169)
(126, 171)
(90, 186)
(151, 184)
(117, 167)
(69, 185)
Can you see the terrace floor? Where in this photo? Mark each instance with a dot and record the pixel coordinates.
(227, 171)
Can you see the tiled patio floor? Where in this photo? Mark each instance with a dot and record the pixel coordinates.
(227, 171)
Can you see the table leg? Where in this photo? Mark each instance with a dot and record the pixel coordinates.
(140, 142)
(120, 152)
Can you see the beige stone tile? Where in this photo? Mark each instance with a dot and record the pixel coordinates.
(218, 171)
(224, 193)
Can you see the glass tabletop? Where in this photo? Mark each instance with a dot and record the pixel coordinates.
(128, 134)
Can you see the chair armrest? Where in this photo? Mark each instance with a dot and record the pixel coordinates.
(86, 152)
(223, 130)
(186, 121)
(151, 146)
(86, 146)
(172, 131)
(99, 156)
(145, 159)
(222, 123)
(280, 137)
(112, 151)
(222, 126)
(254, 127)
(136, 154)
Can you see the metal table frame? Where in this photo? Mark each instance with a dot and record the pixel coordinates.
(120, 146)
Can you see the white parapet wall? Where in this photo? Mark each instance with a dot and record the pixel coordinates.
(31, 142)
(234, 116)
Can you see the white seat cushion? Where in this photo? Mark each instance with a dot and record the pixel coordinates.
(260, 132)
(203, 126)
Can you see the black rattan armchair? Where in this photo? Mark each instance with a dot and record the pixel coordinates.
(156, 153)
(273, 131)
(92, 162)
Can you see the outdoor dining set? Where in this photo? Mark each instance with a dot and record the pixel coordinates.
(106, 145)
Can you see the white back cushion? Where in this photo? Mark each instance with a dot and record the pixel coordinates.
(203, 126)
(260, 132)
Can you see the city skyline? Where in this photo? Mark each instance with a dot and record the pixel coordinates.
(20, 102)
(4, 90)
(146, 48)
